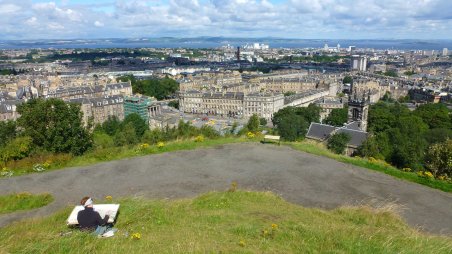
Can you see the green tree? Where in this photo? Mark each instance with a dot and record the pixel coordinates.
(16, 149)
(376, 146)
(408, 142)
(263, 121)
(292, 122)
(54, 125)
(126, 136)
(158, 88)
(292, 127)
(102, 140)
(391, 73)
(338, 142)
(436, 115)
(7, 131)
(153, 136)
(337, 117)
(347, 80)
(437, 135)
(381, 118)
(253, 123)
(111, 126)
(174, 104)
(209, 132)
(138, 123)
(290, 93)
(387, 97)
(439, 158)
(186, 130)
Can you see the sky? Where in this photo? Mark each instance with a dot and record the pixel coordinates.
(303, 19)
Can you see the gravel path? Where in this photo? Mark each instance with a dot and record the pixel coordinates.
(302, 178)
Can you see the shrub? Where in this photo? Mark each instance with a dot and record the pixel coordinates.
(253, 123)
(102, 140)
(338, 142)
(209, 132)
(153, 136)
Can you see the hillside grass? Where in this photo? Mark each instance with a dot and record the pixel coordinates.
(23, 201)
(59, 161)
(228, 222)
(380, 166)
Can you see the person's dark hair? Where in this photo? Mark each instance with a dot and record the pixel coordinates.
(83, 201)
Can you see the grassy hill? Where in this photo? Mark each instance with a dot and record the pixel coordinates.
(228, 222)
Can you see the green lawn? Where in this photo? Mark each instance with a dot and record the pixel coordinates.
(116, 153)
(318, 149)
(229, 222)
(23, 201)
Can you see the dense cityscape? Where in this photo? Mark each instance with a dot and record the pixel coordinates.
(250, 139)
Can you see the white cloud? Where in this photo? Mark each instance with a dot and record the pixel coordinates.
(291, 18)
(9, 8)
(98, 23)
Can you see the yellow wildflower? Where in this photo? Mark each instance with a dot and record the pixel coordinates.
(109, 198)
(160, 144)
(136, 236)
(199, 138)
(274, 226)
(250, 134)
(428, 174)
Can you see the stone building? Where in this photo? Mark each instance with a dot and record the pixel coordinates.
(8, 109)
(101, 108)
(358, 112)
(69, 93)
(305, 98)
(123, 88)
(214, 103)
(327, 105)
(262, 104)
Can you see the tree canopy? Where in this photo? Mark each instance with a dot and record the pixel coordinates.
(292, 122)
(158, 88)
(54, 125)
(337, 117)
(402, 137)
(338, 142)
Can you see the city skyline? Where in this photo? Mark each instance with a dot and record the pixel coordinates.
(303, 19)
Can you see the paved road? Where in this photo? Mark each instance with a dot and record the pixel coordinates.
(298, 177)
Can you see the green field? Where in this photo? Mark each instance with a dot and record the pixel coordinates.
(229, 222)
(23, 201)
(60, 161)
(381, 166)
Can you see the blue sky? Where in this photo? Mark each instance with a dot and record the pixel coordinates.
(339, 19)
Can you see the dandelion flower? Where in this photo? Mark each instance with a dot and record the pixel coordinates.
(136, 236)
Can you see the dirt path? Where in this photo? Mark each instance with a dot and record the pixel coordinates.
(298, 177)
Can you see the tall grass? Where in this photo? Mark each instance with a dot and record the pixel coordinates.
(23, 201)
(228, 222)
(318, 149)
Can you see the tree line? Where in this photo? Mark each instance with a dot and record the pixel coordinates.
(159, 88)
(407, 138)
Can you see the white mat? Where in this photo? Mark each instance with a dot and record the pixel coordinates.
(102, 209)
